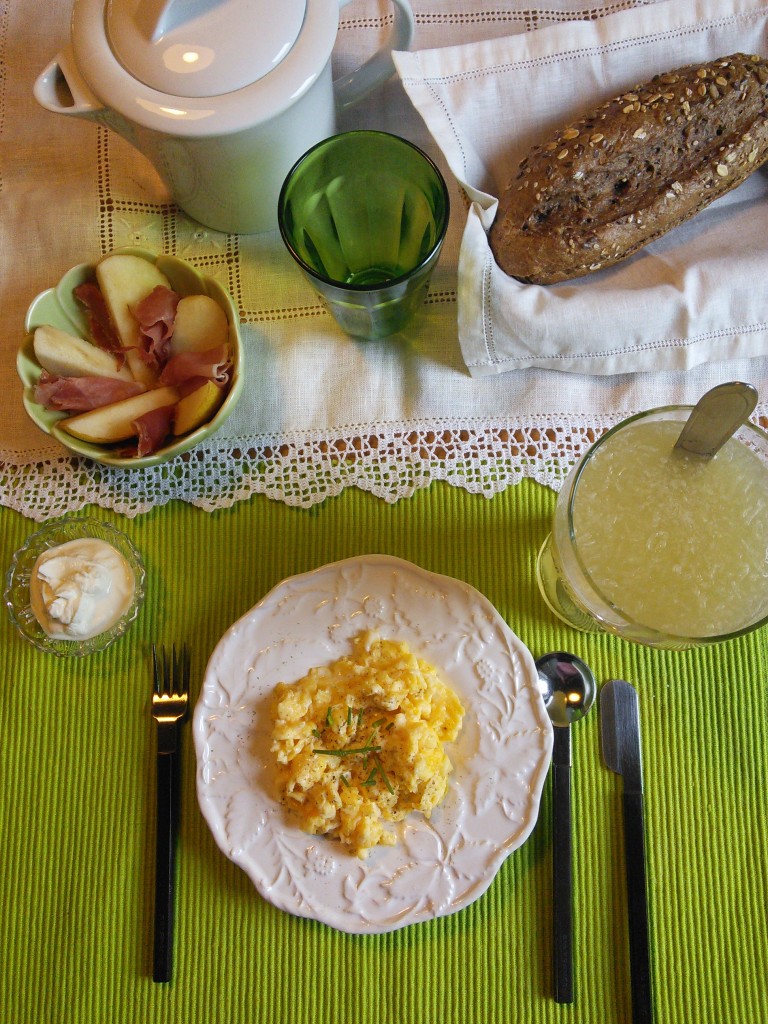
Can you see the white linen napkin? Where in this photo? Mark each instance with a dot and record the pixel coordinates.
(694, 296)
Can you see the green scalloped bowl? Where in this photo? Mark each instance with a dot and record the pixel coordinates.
(58, 307)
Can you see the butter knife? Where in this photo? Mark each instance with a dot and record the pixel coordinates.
(620, 734)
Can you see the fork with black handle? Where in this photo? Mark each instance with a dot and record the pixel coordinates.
(170, 704)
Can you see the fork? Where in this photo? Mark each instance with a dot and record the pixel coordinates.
(170, 704)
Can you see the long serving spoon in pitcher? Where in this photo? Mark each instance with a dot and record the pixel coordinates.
(568, 688)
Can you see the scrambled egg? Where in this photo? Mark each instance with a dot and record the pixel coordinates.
(360, 742)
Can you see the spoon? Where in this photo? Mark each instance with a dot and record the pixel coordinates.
(568, 688)
(716, 417)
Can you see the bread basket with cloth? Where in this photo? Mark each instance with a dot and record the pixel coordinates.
(686, 298)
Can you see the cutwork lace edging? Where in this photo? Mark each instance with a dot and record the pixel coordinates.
(391, 462)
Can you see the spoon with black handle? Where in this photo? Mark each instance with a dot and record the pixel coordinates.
(568, 688)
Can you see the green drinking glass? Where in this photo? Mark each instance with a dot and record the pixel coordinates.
(364, 214)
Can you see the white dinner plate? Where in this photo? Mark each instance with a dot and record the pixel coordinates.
(500, 757)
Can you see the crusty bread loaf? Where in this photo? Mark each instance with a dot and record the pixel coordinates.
(606, 185)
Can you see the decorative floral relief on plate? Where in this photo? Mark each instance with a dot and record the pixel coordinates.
(500, 758)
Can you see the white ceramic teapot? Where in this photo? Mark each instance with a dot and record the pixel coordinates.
(223, 96)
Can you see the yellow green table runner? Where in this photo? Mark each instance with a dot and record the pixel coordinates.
(77, 777)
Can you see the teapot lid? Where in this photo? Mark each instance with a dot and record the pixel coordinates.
(200, 48)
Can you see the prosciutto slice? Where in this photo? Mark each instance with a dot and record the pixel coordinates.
(152, 429)
(214, 364)
(79, 394)
(101, 330)
(191, 384)
(155, 316)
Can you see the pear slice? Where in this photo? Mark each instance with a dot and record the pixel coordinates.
(197, 407)
(114, 422)
(200, 324)
(124, 280)
(66, 355)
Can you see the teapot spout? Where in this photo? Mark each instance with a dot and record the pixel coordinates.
(61, 89)
(354, 86)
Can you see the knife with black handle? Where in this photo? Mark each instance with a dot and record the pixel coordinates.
(620, 733)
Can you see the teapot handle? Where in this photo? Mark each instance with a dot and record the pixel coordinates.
(351, 88)
(61, 89)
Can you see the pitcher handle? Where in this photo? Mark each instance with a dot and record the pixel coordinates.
(351, 88)
(61, 89)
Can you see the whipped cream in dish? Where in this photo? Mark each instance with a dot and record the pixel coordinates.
(80, 589)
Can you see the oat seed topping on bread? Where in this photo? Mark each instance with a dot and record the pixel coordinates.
(606, 185)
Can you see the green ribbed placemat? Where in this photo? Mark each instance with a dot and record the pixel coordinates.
(77, 799)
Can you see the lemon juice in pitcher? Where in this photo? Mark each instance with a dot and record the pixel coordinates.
(658, 545)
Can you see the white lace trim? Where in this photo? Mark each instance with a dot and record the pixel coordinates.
(391, 462)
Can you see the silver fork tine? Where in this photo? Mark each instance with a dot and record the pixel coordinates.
(167, 673)
(187, 671)
(162, 676)
(180, 686)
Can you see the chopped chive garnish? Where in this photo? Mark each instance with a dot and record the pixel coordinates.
(380, 768)
(316, 733)
(368, 752)
(347, 751)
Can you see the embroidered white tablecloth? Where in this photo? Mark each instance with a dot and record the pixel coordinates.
(320, 411)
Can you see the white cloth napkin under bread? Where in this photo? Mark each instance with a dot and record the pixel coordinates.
(694, 296)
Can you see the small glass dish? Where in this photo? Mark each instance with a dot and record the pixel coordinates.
(17, 584)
